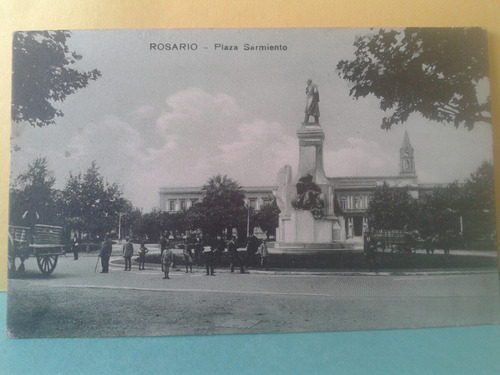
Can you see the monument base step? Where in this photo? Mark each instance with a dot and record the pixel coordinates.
(311, 247)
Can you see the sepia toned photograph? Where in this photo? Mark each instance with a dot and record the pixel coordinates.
(236, 181)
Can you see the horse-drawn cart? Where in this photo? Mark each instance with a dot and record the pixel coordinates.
(44, 243)
(404, 242)
(389, 241)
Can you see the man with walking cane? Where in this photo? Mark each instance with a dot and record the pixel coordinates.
(96, 263)
(105, 254)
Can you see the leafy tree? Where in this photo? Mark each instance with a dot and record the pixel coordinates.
(479, 204)
(431, 71)
(132, 222)
(42, 74)
(391, 208)
(175, 222)
(92, 205)
(473, 201)
(439, 211)
(32, 196)
(195, 217)
(479, 188)
(221, 208)
(149, 225)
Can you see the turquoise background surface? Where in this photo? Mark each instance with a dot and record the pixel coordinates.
(464, 350)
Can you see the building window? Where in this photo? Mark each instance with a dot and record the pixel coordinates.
(253, 203)
(267, 200)
(194, 201)
(183, 204)
(358, 203)
(343, 203)
(171, 205)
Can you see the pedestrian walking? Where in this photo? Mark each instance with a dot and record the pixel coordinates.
(370, 252)
(74, 246)
(167, 260)
(209, 257)
(198, 250)
(128, 251)
(253, 244)
(220, 246)
(234, 256)
(163, 243)
(264, 255)
(188, 258)
(143, 250)
(105, 254)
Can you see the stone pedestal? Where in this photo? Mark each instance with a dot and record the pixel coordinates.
(301, 227)
(311, 139)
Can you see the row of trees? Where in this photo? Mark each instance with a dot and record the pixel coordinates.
(467, 208)
(92, 207)
(87, 204)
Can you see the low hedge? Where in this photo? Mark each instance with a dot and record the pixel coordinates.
(357, 260)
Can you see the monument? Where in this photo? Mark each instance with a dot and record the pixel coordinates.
(308, 217)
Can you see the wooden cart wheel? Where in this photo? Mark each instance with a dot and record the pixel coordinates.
(11, 255)
(11, 265)
(47, 263)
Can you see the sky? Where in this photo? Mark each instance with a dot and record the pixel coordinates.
(170, 118)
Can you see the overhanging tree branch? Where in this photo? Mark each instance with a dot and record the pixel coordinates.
(42, 74)
(434, 72)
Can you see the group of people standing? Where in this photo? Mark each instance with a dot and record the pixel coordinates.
(127, 251)
(256, 254)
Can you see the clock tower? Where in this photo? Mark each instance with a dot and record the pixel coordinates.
(406, 159)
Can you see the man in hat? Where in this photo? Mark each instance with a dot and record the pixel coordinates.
(253, 244)
(163, 243)
(105, 254)
(128, 251)
(74, 246)
(209, 254)
(234, 257)
(198, 249)
(264, 255)
(167, 259)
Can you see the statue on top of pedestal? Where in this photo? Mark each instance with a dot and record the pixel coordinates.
(312, 100)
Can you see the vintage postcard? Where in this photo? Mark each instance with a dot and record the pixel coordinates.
(230, 181)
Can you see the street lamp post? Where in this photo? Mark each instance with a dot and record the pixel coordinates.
(120, 214)
(461, 227)
(247, 205)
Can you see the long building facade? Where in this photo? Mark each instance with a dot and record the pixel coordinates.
(352, 193)
(175, 199)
